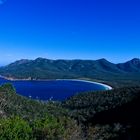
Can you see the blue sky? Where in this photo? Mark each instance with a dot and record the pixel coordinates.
(69, 29)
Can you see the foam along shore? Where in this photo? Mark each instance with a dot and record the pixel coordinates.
(107, 87)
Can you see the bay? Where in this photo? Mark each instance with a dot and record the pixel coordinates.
(53, 89)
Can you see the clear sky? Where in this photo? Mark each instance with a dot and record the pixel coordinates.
(69, 29)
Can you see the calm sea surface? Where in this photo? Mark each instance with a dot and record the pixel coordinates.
(52, 89)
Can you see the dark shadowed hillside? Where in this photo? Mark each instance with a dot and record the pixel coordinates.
(109, 114)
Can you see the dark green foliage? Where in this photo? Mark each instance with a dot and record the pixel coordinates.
(86, 106)
(15, 128)
(13, 104)
(8, 88)
(109, 114)
(49, 128)
(105, 132)
(35, 120)
(117, 75)
(56, 128)
(103, 115)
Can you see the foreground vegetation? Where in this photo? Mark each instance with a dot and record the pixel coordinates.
(25, 119)
(101, 115)
(109, 114)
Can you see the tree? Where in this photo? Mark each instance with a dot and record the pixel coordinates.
(15, 128)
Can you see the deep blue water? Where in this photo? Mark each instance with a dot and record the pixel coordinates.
(53, 89)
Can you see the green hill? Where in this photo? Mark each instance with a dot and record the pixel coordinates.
(101, 70)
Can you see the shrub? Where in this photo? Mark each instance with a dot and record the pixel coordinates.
(15, 128)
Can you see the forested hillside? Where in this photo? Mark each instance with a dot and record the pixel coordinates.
(109, 114)
(25, 119)
(117, 75)
(88, 116)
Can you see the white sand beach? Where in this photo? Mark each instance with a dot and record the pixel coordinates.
(106, 86)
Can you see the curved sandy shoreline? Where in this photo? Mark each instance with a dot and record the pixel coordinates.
(107, 87)
(101, 84)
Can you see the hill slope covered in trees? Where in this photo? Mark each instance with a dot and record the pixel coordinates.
(117, 75)
(95, 115)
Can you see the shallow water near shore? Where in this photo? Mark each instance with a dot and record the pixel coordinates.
(54, 89)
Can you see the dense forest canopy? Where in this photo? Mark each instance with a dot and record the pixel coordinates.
(94, 115)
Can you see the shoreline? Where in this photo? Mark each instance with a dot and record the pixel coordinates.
(14, 79)
(107, 87)
(98, 83)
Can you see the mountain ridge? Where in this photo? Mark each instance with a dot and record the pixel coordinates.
(101, 69)
(20, 61)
